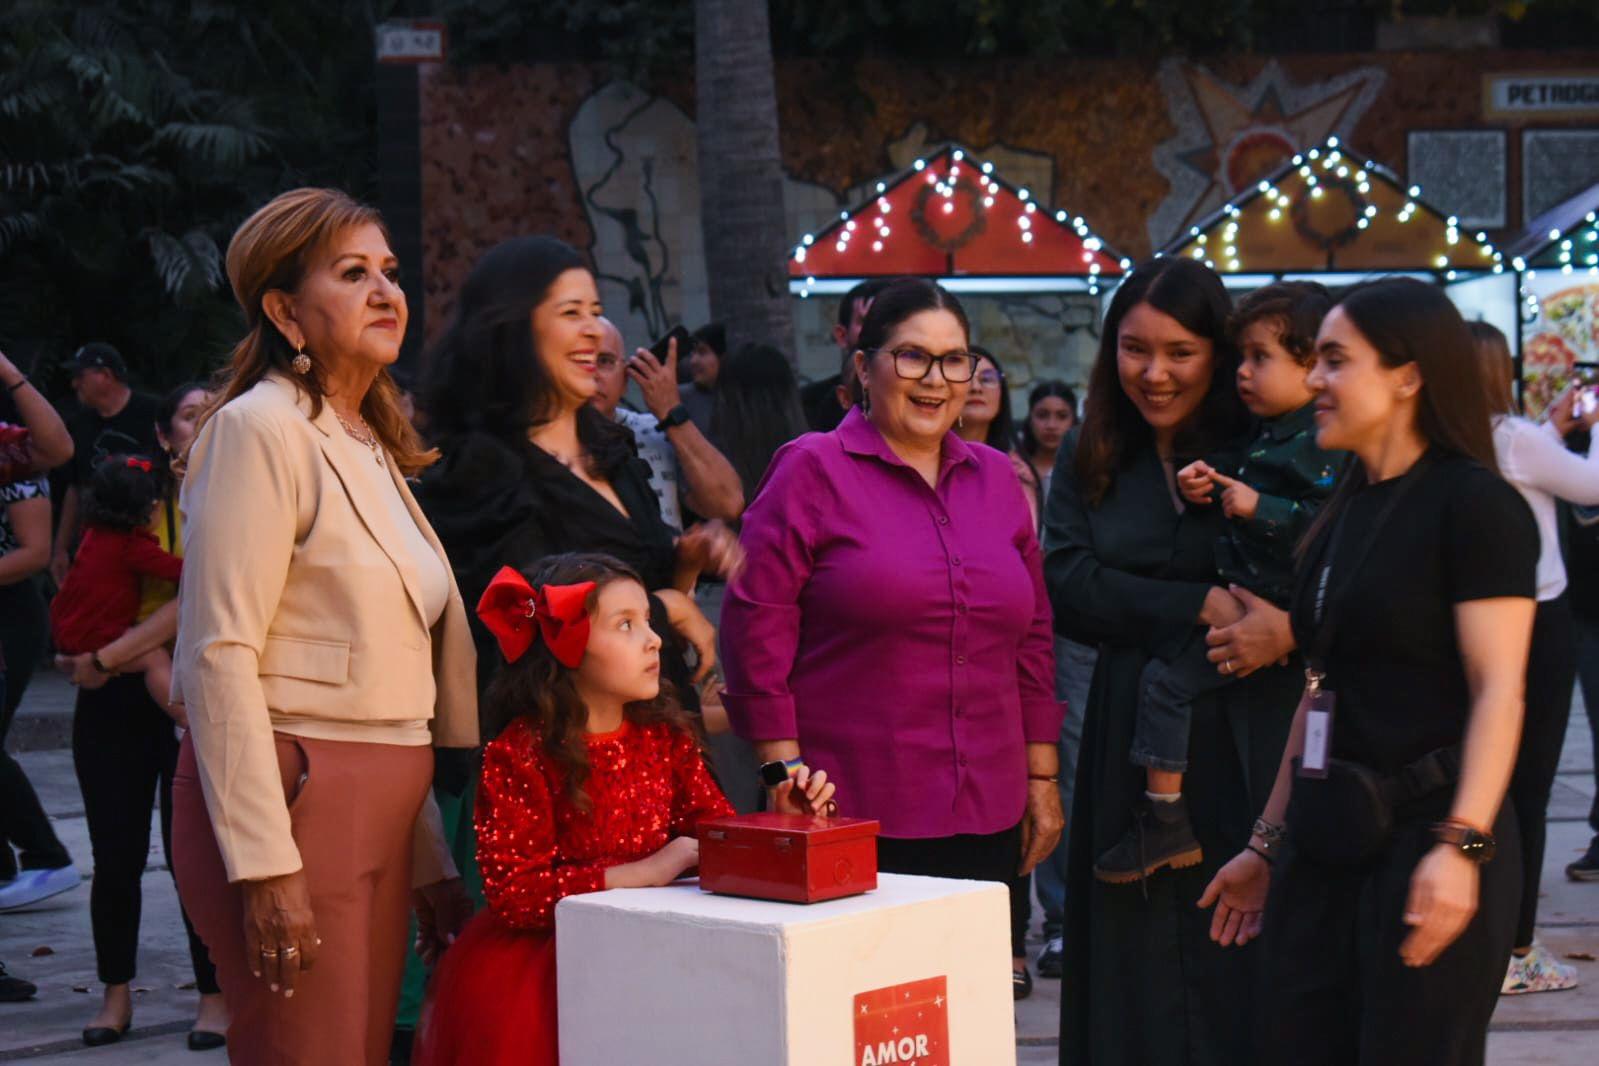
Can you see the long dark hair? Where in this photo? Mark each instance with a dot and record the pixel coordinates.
(757, 410)
(1411, 321)
(1002, 430)
(484, 374)
(1191, 293)
(1043, 391)
(538, 687)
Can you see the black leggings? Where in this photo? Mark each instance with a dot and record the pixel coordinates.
(970, 857)
(24, 627)
(125, 752)
(1551, 673)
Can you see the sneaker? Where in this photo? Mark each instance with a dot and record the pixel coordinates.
(1052, 961)
(1159, 836)
(1587, 867)
(31, 886)
(1021, 983)
(1537, 971)
(14, 989)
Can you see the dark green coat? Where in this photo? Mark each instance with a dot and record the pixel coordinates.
(1144, 985)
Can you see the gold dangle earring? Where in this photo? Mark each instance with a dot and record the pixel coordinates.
(301, 363)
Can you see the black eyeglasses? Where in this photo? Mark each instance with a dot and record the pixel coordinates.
(915, 364)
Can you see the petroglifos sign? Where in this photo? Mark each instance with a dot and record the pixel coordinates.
(1541, 95)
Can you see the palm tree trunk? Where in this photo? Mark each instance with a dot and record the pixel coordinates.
(741, 175)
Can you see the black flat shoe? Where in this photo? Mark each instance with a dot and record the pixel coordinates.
(204, 1040)
(101, 1035)
(1021, 983)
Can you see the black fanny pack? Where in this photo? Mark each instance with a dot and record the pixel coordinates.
(1347, 818)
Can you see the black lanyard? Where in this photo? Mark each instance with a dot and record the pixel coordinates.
(1327, 609)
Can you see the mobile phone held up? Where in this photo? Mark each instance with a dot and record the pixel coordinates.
(1587, 401)
(662, 348)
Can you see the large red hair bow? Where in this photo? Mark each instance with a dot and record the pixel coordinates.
(515, 612)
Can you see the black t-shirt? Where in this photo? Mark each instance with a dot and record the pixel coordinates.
(130, 431)
(1459, 533)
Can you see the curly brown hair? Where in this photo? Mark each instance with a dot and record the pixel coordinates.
(538, 687)
(1295, 308)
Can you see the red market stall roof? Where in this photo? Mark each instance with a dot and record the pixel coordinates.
(950, 215)
(1328, 211)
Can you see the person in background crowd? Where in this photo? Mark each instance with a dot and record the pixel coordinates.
(1390, 915)
(1130, 568)
(826, 401)
(986, 419)
(1534, 459)
(679, 455)
(707, 349)
(1582, 568)
(529, 468)
(925, 693)
(27, 450)
(115, 420)
(1074, 662)
(757, 411)
(1051, 414)
(99, 600)
(125, 753)
(323, 651)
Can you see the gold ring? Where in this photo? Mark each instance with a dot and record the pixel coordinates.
(265, 954)
(289, 953)
(1227, 666)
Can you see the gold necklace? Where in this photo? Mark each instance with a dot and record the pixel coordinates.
(362, 435)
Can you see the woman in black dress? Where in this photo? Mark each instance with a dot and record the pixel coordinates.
(1385, 943)
(529, 468)
(1133, 572)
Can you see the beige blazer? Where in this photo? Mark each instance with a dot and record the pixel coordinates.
(299, 601)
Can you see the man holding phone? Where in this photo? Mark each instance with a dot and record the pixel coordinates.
(679, 455)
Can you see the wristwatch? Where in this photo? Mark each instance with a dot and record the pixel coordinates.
(777, 771)
(675, 417)
(1476, 845)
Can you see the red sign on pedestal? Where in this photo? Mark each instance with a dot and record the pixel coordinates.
(907, 1025)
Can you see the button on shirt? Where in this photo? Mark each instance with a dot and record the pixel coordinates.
(901, 633)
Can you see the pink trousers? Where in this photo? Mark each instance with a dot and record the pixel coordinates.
(353, 808)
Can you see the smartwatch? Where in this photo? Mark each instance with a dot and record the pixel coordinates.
(777, 771)
(674, 418)
(1476, 845)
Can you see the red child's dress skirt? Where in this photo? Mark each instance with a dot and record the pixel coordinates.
(491, 970)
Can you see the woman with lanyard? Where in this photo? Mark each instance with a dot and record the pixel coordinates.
(1390, 914)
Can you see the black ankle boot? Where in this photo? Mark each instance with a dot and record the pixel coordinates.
(1160, 835)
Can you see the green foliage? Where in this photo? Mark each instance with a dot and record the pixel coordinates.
(134, 137)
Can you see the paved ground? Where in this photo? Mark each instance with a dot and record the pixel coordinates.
(1548, 1030)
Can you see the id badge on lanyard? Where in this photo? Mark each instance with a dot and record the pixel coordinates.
(1318, 704)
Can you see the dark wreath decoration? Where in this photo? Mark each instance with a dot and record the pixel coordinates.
(978, 223)
(1327, 241)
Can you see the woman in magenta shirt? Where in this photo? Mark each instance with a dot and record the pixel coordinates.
(891, 624)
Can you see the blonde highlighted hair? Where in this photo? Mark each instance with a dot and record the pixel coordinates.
(273, 250)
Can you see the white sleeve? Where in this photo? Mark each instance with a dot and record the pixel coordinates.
(1537, 457)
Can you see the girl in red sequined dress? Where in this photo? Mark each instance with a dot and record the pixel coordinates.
(595, 782)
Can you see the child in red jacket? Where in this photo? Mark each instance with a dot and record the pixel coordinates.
(99, 600)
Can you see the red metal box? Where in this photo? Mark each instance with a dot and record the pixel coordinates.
(788, 857)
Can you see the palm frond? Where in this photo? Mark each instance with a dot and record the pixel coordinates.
(174, 263)
(213, 143)
(18, 228)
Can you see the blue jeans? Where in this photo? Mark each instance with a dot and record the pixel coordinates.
(1166, 694)
(1074, 671)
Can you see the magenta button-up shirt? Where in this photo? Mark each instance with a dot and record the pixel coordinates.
(901, 633)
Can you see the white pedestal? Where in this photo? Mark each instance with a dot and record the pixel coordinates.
(678, 977)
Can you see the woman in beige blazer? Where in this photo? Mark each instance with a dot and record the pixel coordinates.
(322, 651)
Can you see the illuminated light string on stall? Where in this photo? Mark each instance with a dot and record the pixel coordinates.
(1570, 252)
(950, 215)
(1294, 201)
